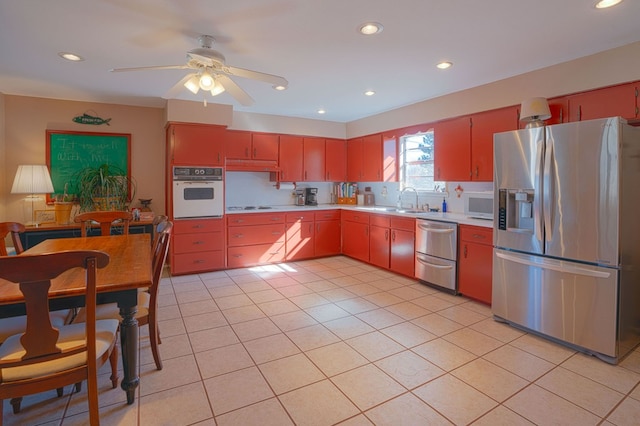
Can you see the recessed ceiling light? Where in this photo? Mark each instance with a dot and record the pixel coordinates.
(603, 4)
(369, 93)
(280, 87)
(321, 111)
(70, 56)
(370, 28)
(444, 65)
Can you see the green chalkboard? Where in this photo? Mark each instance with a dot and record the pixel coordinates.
(69, 152)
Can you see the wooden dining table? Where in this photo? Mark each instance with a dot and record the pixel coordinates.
(128, 270)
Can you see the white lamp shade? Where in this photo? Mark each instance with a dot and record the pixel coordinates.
(193, 84)
(217, 88)
(32, 179)
(206, 81)
(534, 109)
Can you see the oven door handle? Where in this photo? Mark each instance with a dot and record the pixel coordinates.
(434, 265)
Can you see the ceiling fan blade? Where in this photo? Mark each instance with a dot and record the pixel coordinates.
(255, 75)
(161, 67)
(178, 87)
(235, 90)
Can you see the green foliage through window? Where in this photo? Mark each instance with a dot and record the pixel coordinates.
(417, 162)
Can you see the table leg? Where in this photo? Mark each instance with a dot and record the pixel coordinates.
(129, 344)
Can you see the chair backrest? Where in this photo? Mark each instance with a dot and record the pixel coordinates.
(15, 229)
(159, 256)
(105, 219)
(33, 275)
(159, 222)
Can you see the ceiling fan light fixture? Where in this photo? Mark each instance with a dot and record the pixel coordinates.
(193, 84)
(206, 81)
(217, 88)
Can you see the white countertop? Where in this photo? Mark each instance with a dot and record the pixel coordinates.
(444, 217)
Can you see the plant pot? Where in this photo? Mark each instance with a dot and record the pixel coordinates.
(63, 212)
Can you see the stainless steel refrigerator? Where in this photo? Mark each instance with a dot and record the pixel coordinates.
(566, 260)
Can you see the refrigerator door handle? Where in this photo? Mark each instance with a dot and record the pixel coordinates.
(548, 157)
(554, 265)
(537, 201)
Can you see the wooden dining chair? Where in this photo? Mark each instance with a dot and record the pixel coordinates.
(14, 325)
(45, 357)
(106, 219)
(158, 225)
(147, 300)
(15, 229)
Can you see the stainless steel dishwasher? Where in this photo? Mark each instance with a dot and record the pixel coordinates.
(436, 253)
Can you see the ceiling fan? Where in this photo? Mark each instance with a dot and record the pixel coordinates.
(212, 74)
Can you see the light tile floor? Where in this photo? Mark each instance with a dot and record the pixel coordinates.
(337, 341)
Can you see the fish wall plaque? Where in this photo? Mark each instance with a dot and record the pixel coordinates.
(91, 119)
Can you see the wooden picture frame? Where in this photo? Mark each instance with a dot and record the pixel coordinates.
(68, 152)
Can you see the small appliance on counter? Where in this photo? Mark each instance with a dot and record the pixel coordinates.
(311, 197)
(369, 198)
(301, 197)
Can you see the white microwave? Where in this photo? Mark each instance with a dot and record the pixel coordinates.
(479, 205)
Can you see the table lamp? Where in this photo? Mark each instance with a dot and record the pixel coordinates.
(32, 179)
(534, 111)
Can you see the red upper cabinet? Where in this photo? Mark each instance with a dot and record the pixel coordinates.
(265, 146)
(389, 158)
(196, 144)
(241, 145)
(314, 159)
(452, 149)
(611, 101)
(335, 160)
(291, 158)
(483, 126)
(365, 157)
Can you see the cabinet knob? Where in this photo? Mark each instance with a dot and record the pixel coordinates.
(198, 242)
(238, 235)
(465, 251)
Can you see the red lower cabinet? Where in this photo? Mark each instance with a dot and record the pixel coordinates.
(300, 236)
(197, 246)
(475, 262)
(355, 234)
(327, 233)
(255, 238)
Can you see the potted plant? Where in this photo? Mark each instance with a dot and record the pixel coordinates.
(63, 204)
(105, 187)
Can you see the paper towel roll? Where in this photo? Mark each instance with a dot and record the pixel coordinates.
(287, 186)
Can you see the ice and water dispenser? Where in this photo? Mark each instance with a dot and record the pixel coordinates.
(515, 210)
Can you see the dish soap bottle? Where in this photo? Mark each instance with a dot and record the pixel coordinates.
(444, 205)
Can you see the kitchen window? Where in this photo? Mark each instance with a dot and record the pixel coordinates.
(417, 163)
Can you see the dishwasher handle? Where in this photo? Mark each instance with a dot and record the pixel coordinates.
(427, 228)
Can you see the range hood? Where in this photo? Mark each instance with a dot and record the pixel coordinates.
(235, 165)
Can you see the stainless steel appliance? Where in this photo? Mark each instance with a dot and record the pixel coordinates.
(300, 197)
(478, 205)
(436, 253)
(197, 192)
(566, 259)
(311, 196)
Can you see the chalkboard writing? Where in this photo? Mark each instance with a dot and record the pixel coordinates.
(70, 152)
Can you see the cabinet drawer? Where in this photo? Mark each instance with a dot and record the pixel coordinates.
(254, 219)
(189, 243)
(328, 215)
(379, 220)
(238, 257)
(299, 217)
(405, 223)
(248, 235)
(190, 226)
(476, 234)
(188, 263)
(355, 216)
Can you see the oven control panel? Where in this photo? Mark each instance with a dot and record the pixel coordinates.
(197, 173)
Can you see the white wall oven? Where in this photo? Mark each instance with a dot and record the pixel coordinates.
(197, 192)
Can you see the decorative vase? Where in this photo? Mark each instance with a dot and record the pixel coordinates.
(63, 212)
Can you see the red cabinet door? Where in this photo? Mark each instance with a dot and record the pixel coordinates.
(237, 144)
(452, 149)
(327, 238)
(484, 125)
(336, 160)
(403, 252)
(379, 248)
(300, 240)
(601, 103)
(354, 159)
(291, 167)
(355, 240)
(475, 262)
(264, 146)
(314, 159)
(372, 158)
(197, 145)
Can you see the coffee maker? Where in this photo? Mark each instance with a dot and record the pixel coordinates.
(300, 197)
(311, 196)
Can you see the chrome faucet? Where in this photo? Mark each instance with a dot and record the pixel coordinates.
(408, 188)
